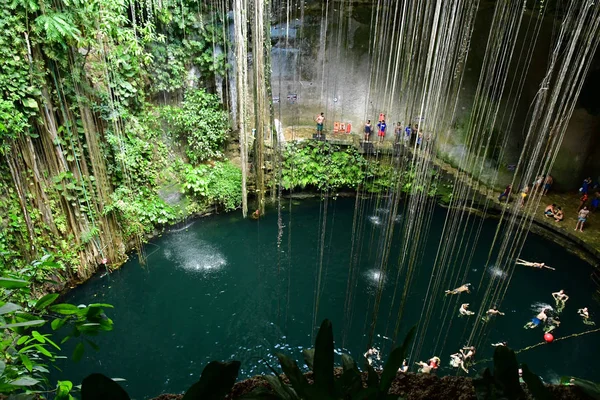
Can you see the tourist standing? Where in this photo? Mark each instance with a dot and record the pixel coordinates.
(320, 119)
(583, 200)
(547, 184)
(407, 133)
(381, 132)
(398, 132)
(506, 193)
(538, 183)
(581, 218)
(524, 194)
(368, 130)
(585, 186)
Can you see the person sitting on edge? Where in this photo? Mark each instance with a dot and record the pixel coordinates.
(460, 289)
(535, 321)
(464, 309)
(581, 218)
(320, 119)
(381, 132)
(559, 215)
(506, 193)
(368, 130)
(547, 184)
(550, 210)
(561, 299)
(404, 367)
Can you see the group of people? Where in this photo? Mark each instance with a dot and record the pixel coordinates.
(549, 316)
(381, 128)
(401, 133)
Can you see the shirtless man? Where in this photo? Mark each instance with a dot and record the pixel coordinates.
(561, 299)
(490, 313)
(463, 288)
(550, 210)
(547, 183)
(533, 264)
(320, 119)
(535, 321)
(558, 216)
(432, 364)
(581, 218)
(584, 313)
(464, 309)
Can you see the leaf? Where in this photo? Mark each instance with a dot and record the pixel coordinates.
(293, 373)
(9, 307)
(99, 387)
(323, 362)
(26, 362)
(283, 391)
(25, 381)
(506, 372)
(58, 323)
(350, 380)
(309, 357)
(590, 388)
(9, 283)
(30, 103)
(215, 383)
(46, 301)
(394, 362)
(78, 352)
(38, 337)
(484, 386)
(2, 367)
(36, 322)
(535, 385)
(65, 309)
(42, 350)
(372, 377)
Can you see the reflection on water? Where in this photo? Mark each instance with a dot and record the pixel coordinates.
(374, 277)
(375, 220)
(497, 272)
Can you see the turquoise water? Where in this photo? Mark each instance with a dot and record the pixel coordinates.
(223, 289)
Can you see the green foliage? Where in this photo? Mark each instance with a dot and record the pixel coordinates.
(141, 211)
(200, 124)
(217, 183)
(325, 386)
(26, 352)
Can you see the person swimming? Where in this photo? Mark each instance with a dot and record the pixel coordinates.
(456, 361)
(535, 321)
(460, 289)
(585, 315)
(561, 300)
(372, 352)
(464, 310)
(470, 353)
(533, 264)
(490, 313)
(551, 324)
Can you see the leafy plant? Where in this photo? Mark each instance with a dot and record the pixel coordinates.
(201, 124)
(217, 183)
(321, 362)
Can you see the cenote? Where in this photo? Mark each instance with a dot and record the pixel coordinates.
(224, 287)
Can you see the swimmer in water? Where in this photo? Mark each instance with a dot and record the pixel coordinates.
(458, 290)
(490, 313)
(500, 344)
(456, 361)
(404, 367)
(464, 309)
(535, 321)
(561, 300)
(424, 367)
(533, 264)
(372, 352)
(470, 353)
(585, 315)
(551, 324)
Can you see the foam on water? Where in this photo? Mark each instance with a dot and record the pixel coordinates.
(201, 257)
(539, 306)
(375, 220)
(374, 276)
(497, 272)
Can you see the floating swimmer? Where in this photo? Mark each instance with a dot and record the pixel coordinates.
(464, 309)
(533, 264)
(432, 364)
(535, 321)
(460, 289)
(561, 300)
(456, 361)
(585, 315)
(551, 324)
(490, 313)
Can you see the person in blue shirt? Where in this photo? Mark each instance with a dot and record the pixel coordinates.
(407, 133)
(381, 132)
(585, 187)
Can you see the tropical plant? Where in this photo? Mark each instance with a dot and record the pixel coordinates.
(321, 361)
(27, 350)
(218, 183)
(201, 124)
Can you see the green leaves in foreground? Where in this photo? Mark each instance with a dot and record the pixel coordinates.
(321, 361)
